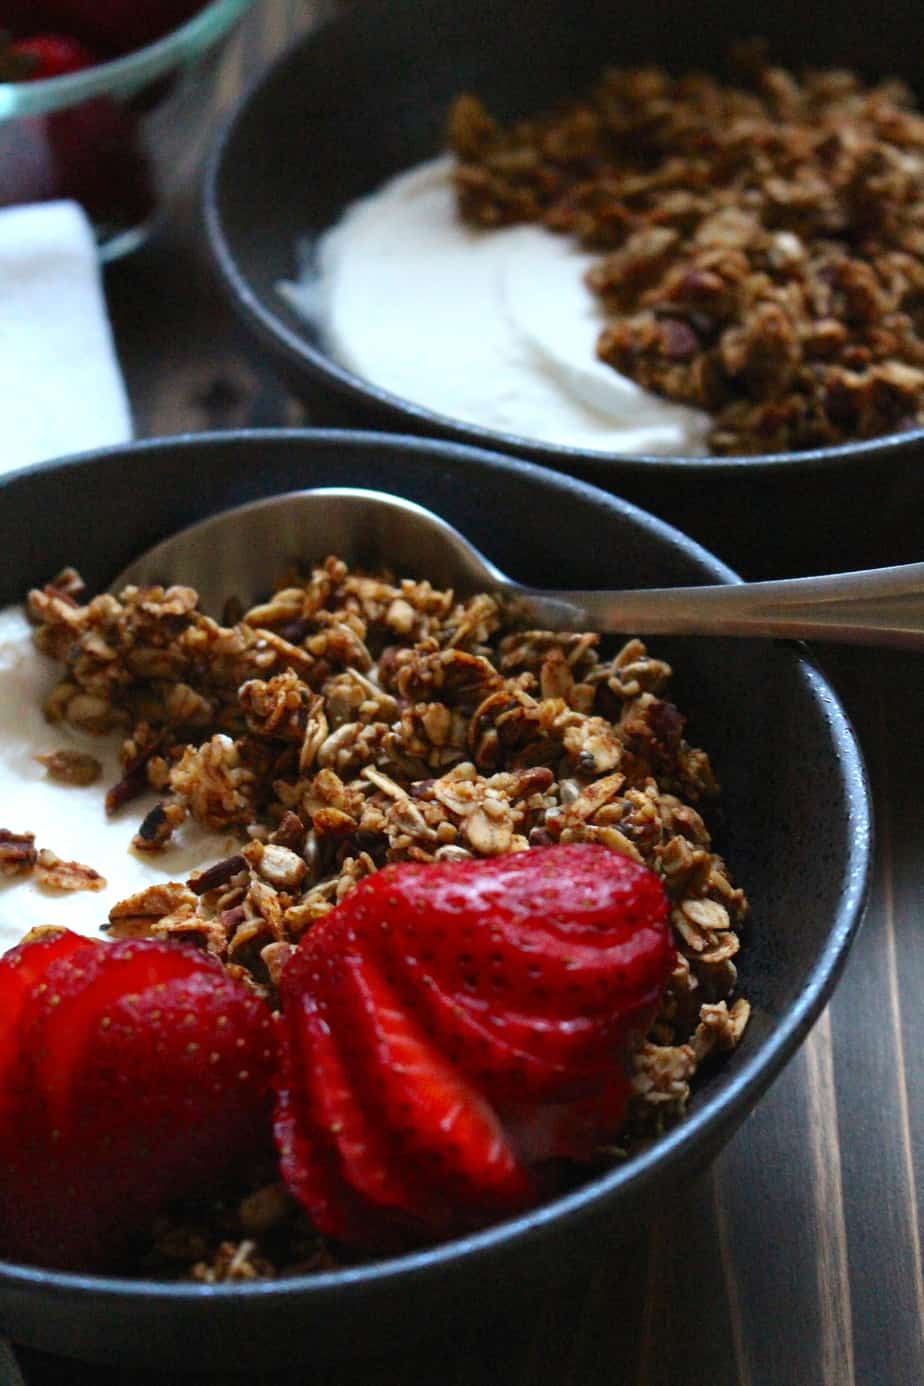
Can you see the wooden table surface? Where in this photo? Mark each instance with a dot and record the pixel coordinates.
(797, 1259)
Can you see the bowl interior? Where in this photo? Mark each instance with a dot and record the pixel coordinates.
(367, 95)
(794, 827)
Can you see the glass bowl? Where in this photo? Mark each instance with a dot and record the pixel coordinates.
(120, 137)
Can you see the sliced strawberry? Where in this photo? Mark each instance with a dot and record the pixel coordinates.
(445, 1133)
(570, 954)
(349, 1177)
(149, 1075)
(307, 1162)
(405, 1133)
(78, 1001)
(449, 1029)
(22, 969)
(572, 1130)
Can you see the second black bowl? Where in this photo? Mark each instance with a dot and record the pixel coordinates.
(367, 95)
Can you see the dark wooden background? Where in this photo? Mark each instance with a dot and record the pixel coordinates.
(797, 1259)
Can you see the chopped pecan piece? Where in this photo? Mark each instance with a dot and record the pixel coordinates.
(218, 875)
(157, 827)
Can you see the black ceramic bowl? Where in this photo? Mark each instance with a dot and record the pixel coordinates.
(367, 95)
(795, 827)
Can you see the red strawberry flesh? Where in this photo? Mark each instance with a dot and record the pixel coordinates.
(448, 1136)
(345, 1135)
(79, 995)
(144, 1075)
(22, 969)
(395, 1125)
(449, 1027)
(570, 954)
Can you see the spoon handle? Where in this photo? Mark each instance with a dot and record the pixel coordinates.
(877, 606)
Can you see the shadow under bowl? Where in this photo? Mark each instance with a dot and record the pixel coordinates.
(367, 95)
(795, 827)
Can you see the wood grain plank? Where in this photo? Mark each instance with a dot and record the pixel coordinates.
(689, 1334)
(769, 1199)
(837, 1364)
(871, 1076)
(725, 1236)
(185, 359)
(188, 364)
(275, 25)
(902, 832)
(906, 1154)
(903, 896)
(549, 1339)
(606, 1340)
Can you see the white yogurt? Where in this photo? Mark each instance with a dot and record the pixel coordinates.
(495, 328)
(71, 820)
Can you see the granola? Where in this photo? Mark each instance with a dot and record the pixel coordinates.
(761, 244)
(71, 767)
(54, 874)
(351, 721)
(19, 856)
(18, 853)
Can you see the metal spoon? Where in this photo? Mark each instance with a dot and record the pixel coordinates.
(245, 551)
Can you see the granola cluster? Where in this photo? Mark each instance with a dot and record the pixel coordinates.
(761, 244)
(351, 721)
(19, 856)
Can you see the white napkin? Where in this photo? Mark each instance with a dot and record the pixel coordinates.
(61, 389)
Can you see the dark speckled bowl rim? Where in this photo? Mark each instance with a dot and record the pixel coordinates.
(671, 1152)
(301, 354)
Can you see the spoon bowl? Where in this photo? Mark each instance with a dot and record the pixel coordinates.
(242, 552)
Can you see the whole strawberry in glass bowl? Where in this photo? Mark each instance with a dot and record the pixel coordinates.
(107, 102)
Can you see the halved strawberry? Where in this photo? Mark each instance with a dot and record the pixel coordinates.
(448, 1028)
(147, 1077)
